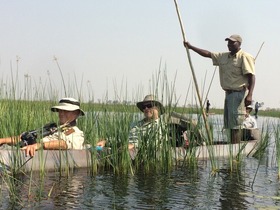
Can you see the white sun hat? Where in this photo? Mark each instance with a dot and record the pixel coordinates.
(249, 107)
(68, 104)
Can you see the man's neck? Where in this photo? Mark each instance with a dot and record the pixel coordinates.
(151, 119)
(235, 51)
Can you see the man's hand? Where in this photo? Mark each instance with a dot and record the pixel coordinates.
(186, 44)
(101, 143)
(31, 149)
(248, 100)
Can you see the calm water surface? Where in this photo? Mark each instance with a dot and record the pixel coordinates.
(254, 186)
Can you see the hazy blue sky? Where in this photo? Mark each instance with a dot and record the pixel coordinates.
(116, 45)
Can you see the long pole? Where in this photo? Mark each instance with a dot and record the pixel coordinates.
(193, 75)
(259, 51)
(209, 86)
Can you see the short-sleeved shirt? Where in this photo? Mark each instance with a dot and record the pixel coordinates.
(145, 132)
(233, 69)
(73, 137)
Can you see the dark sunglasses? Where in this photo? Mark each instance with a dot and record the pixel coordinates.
(148, 106)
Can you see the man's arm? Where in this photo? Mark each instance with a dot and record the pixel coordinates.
(56, 144)
(10, 140)
(51, 145)
(251, 81)
(204, 53)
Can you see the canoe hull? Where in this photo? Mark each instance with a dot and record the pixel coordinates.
(220, 150)
(54, 160)
(48, 160)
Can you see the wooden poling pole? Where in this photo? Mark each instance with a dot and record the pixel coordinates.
(193, 75)
(259, 51)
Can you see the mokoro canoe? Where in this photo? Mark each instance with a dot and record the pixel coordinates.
(217, 151)
(55, 160)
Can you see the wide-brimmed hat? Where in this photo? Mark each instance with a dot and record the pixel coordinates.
(249, 107)
(235, 38)
(68, 104)
(150, 100)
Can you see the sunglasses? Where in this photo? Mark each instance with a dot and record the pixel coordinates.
(148, 106)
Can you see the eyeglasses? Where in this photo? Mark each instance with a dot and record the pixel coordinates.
(148, 106)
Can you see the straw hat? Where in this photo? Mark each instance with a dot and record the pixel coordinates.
(150, 100)
(68, 104)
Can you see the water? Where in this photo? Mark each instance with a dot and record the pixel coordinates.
(254, 186)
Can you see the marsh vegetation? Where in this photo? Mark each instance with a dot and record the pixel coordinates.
(23, 111)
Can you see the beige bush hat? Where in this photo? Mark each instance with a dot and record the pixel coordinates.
(235, 38)
(68, 104)
(150, 100)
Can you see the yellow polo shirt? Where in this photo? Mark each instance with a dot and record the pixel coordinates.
(233, 69)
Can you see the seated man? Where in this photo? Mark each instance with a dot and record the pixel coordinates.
(68, 137)
(147, 129)
(249, 124)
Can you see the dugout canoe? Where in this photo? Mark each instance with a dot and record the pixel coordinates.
(217, 151)
(55, 160)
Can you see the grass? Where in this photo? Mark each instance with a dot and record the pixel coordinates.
(178, 109)
(102, 121)
(109, 121)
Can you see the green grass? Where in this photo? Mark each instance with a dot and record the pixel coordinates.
(178, 109)
(109, 121)
(28, 108)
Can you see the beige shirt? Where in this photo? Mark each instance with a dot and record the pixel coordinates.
(73, 137)
(233, 69)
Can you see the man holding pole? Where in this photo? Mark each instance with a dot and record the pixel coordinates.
(237, 78)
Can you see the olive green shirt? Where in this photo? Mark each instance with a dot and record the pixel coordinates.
(233, 69)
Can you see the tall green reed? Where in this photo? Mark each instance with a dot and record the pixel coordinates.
(30, 110)
(277, 145)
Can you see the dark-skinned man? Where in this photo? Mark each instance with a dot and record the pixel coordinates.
(237, 78)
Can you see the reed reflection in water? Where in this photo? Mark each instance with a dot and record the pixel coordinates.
(252, 186)
(182, 189)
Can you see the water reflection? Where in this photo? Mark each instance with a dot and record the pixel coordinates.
(232, 184)
(254, 186)
(181, 189)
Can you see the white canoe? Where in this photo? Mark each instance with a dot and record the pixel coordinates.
(55, 160)
(246, 148)
(46, 160)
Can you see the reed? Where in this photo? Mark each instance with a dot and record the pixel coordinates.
(277, 145)
(111, 122)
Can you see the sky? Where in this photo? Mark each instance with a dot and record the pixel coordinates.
(115, 49)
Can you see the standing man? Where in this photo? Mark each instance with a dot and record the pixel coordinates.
(257, 105)
(207, 106)
(237, 78)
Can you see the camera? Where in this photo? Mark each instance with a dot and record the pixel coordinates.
(30, 137)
